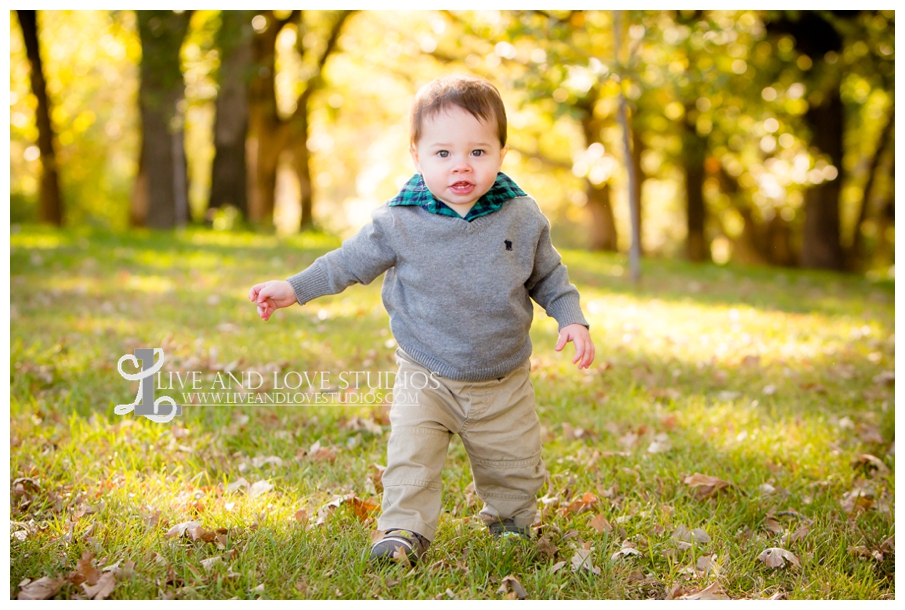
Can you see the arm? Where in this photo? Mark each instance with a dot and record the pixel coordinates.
(360, 260)
(549, 286)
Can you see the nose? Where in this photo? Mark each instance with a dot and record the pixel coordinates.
(462, 165)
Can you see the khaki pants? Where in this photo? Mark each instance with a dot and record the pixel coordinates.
(499, 429)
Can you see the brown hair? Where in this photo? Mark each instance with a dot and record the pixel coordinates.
(476, 95)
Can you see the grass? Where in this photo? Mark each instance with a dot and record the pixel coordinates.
(770, 380)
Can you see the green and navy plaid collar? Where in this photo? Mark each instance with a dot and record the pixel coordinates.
(415, 192)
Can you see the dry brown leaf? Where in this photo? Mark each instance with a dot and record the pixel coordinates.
(601, 524)
(582, 504)
(301, 515)
(776, 557)
(179, 529)
(43, 588)
(103, 588)
(581, 560)
(712, 592)
(869, 461)
(377, 477)
(546, 547)
(511, 584)
(857, 500)
(773, 525)
(557, 567)
(199, 533)
(705, 485)
(362, 508)
(85, 571)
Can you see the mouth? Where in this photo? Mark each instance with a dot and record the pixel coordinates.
(461, 188)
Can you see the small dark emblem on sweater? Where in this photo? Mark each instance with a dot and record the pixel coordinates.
(508, 244)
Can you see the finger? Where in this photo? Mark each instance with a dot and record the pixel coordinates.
(590, 353)
(579, 349)
(561, 343)
(253, 293)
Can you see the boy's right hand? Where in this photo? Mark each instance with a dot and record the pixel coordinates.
(271, 296)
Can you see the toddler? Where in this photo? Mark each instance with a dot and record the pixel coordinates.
(464, 250)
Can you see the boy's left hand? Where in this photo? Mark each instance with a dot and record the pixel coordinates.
(584, 347)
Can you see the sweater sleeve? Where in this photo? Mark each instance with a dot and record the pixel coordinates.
(359, 260)
(549, 282)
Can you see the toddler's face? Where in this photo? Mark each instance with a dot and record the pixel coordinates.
(459, 157)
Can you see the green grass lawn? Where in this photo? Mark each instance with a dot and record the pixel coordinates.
(776, 382)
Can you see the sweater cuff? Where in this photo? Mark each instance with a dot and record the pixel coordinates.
(567, 311)
(309, 284)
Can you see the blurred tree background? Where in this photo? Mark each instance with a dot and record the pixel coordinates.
(756, 136)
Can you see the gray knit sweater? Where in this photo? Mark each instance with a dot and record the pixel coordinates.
(458, 293)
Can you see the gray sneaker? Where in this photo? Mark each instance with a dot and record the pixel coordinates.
(410, 544)
(506, 528)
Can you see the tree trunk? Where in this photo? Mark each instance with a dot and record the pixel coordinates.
(229, 184)
(302, 162)
(264, 121)
(603, 224)
(160, 92)
(638, 186)
(820, 240)
(50, 204)
(855, 254)
(694, 152)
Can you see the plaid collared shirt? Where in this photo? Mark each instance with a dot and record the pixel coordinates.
(415, 192)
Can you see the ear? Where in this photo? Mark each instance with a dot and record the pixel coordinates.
(414, 152)
(503, 152)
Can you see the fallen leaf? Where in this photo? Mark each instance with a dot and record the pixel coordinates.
(557, 567)
(857, 500)
(318, 453)
(628, 440)
(870, 434)
(705, 485)
(511, 583)
(546, 547)
(660, 444)
(260, 488)
(581, 560)
(377, 477)
(705, 565)
(773, 525)
(711, 592)
(628, 549)
(866, 460)
(261, 460)
(583, 504)
(85, 570)
(776, 557)
(600, 524)
(199, 533)
(362, 508)
(103, 588)
(43, 588)
(179, 529)
(210, 562)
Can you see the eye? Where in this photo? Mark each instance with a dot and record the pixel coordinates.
(478, 153)
(443, 154)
